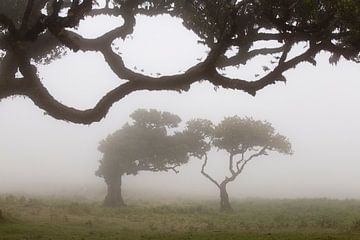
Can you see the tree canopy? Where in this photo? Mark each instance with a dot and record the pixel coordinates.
(147, 144)
(144, 145)
(243, 139)
(37, 31)
(238, 135)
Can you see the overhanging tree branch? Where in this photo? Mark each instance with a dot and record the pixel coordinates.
(220, 25)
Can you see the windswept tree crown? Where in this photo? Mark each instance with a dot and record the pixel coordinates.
(38, 31)
(235, 135)
(146, 144)
(238, 135)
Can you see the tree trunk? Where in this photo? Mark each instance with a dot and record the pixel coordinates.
(114, 197)
(224, 199)
(2, 218)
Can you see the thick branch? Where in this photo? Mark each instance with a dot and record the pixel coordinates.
(26, 16)
(8, 69)
(44, 100)
(7, 23)
(252, 87)
(243, 58)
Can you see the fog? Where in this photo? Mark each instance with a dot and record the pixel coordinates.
(317, 109)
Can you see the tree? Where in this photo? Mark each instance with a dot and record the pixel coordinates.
(243, 139)
(144, 145)
(37, 31)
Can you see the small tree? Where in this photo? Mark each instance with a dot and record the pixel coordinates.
(144, 145)
(244, 139)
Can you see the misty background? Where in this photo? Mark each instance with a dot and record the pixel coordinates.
(317, 109)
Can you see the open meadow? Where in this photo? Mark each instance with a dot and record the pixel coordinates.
(32, 219)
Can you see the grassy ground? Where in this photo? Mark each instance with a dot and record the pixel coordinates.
(28, 219)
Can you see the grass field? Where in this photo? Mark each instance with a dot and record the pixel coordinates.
(28, 219)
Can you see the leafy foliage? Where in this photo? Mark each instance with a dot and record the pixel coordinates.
(238, 135)
(38, 31)
(144, 145)
(197, 134)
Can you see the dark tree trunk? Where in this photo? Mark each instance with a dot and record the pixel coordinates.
(114, 197)
(224, 199)
(2, 218)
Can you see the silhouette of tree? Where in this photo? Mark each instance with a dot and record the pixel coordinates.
(35, 31)
(244, 139)
(144, 145)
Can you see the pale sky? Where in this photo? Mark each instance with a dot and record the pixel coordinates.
(317, 110)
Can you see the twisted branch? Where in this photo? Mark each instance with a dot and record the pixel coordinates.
(237, 24)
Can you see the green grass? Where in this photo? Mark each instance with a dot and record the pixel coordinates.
(320, 219)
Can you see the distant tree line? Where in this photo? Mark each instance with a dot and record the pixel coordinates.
(154, 142)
